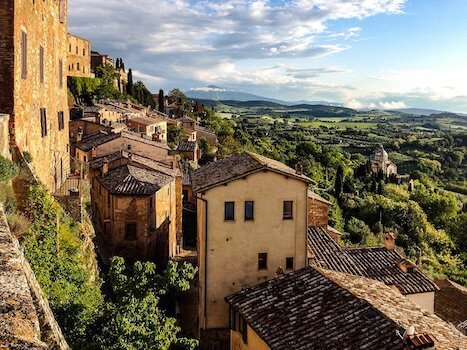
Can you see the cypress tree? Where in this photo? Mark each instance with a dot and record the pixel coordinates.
(161, 101)
(339, 185)
(129, 86)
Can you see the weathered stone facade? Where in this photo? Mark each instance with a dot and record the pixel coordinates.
(4, 136)
(79, 57)
(33, 43)
(318, 211)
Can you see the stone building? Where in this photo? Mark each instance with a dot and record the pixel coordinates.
(380, 163)
(189, 150)
(318, 309)
(148, 126)
(136, 207)
(252, 222)
(79, 57)
(33, 78)
(98, 60)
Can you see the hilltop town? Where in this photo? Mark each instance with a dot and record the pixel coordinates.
(139, 220)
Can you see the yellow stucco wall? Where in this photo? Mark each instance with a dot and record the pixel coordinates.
(424, 300)
(254, 342)
(233, 247)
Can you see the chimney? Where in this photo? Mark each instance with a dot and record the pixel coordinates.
(299, 169)
(79, 136)
(105, 166)
(93, 153)
(130, 158)
(406, 266)
(390, 241)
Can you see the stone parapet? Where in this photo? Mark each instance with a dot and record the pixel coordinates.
(26, 319)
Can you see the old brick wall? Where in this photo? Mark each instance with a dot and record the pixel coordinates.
(79, 57)
(317, 213)
(41, 22)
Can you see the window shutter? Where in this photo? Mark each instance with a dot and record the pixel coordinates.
(60, 73)
(62, 10)
(24, 55)
(43, 122)
(41, 63)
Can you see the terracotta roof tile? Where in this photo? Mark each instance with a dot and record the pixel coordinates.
(237, 166)
(377, 263)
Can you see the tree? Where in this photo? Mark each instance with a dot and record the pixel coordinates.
(161, 102)
(358, 231)
(339, 184)
(177, 95)
(175, 134)
(134, 319)
(205, 147)
(142, 94)
(129, 85)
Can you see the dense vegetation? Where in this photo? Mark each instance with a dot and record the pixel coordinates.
(430, 219)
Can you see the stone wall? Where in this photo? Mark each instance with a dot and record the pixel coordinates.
(26, 319)
(4, 136)
(79, 57)
(44, 23)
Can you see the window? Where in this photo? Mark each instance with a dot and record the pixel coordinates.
(229, 214)
(61, 121)
(60, 73)
(288, 210)
(150, 202)
(62, 10)
(76, 49)
(262, 261)
(77, 66)
(130, 232)
(249, 210)
(289, 263)
(43, 122)
(70, 48)
(108, 199)
(24, 55)
(84, 52)
(41, 64)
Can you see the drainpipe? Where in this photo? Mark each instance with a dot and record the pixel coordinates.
(205, 258)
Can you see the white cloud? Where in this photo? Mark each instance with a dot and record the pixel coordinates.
(392, 105)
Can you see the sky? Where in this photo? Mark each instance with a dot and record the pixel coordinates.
(385, 54)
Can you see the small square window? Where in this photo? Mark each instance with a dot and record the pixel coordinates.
(262, 261)
(289, 263)
(249, 210)
(288, 210)
(229, 212)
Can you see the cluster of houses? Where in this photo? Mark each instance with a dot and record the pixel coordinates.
(271, 273)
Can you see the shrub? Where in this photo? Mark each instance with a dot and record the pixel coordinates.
(8, 169)
(27, 157)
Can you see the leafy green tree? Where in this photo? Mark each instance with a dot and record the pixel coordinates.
(142, 94)
(8, 169)
(205, 146)
(135, 319)
(176, 95)
(175, 134)
(358, 231)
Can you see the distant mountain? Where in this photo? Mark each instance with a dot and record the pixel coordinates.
(216, 93)
(419, 111)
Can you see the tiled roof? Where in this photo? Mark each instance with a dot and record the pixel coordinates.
(131, 180)
(377, 263)
(164, 166)
(95, 139)
(137, 137)
(451, 303)
(237, 166)
(145, 120)
(187, 146)
(321, 309)
(186, 119)
(327, 254)
(380, 264)
(318, 198)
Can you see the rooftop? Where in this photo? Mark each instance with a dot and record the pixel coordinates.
(132, 180)
(95, 139)
(320, 309)
(451, 303)
(376, 263)
(187, 146)
(145, 120)
(237, 166)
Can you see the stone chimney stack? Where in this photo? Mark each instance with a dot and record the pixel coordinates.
(130, 158)
(79, 135)
(93, 153)
(390, 241)
(105, 166)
